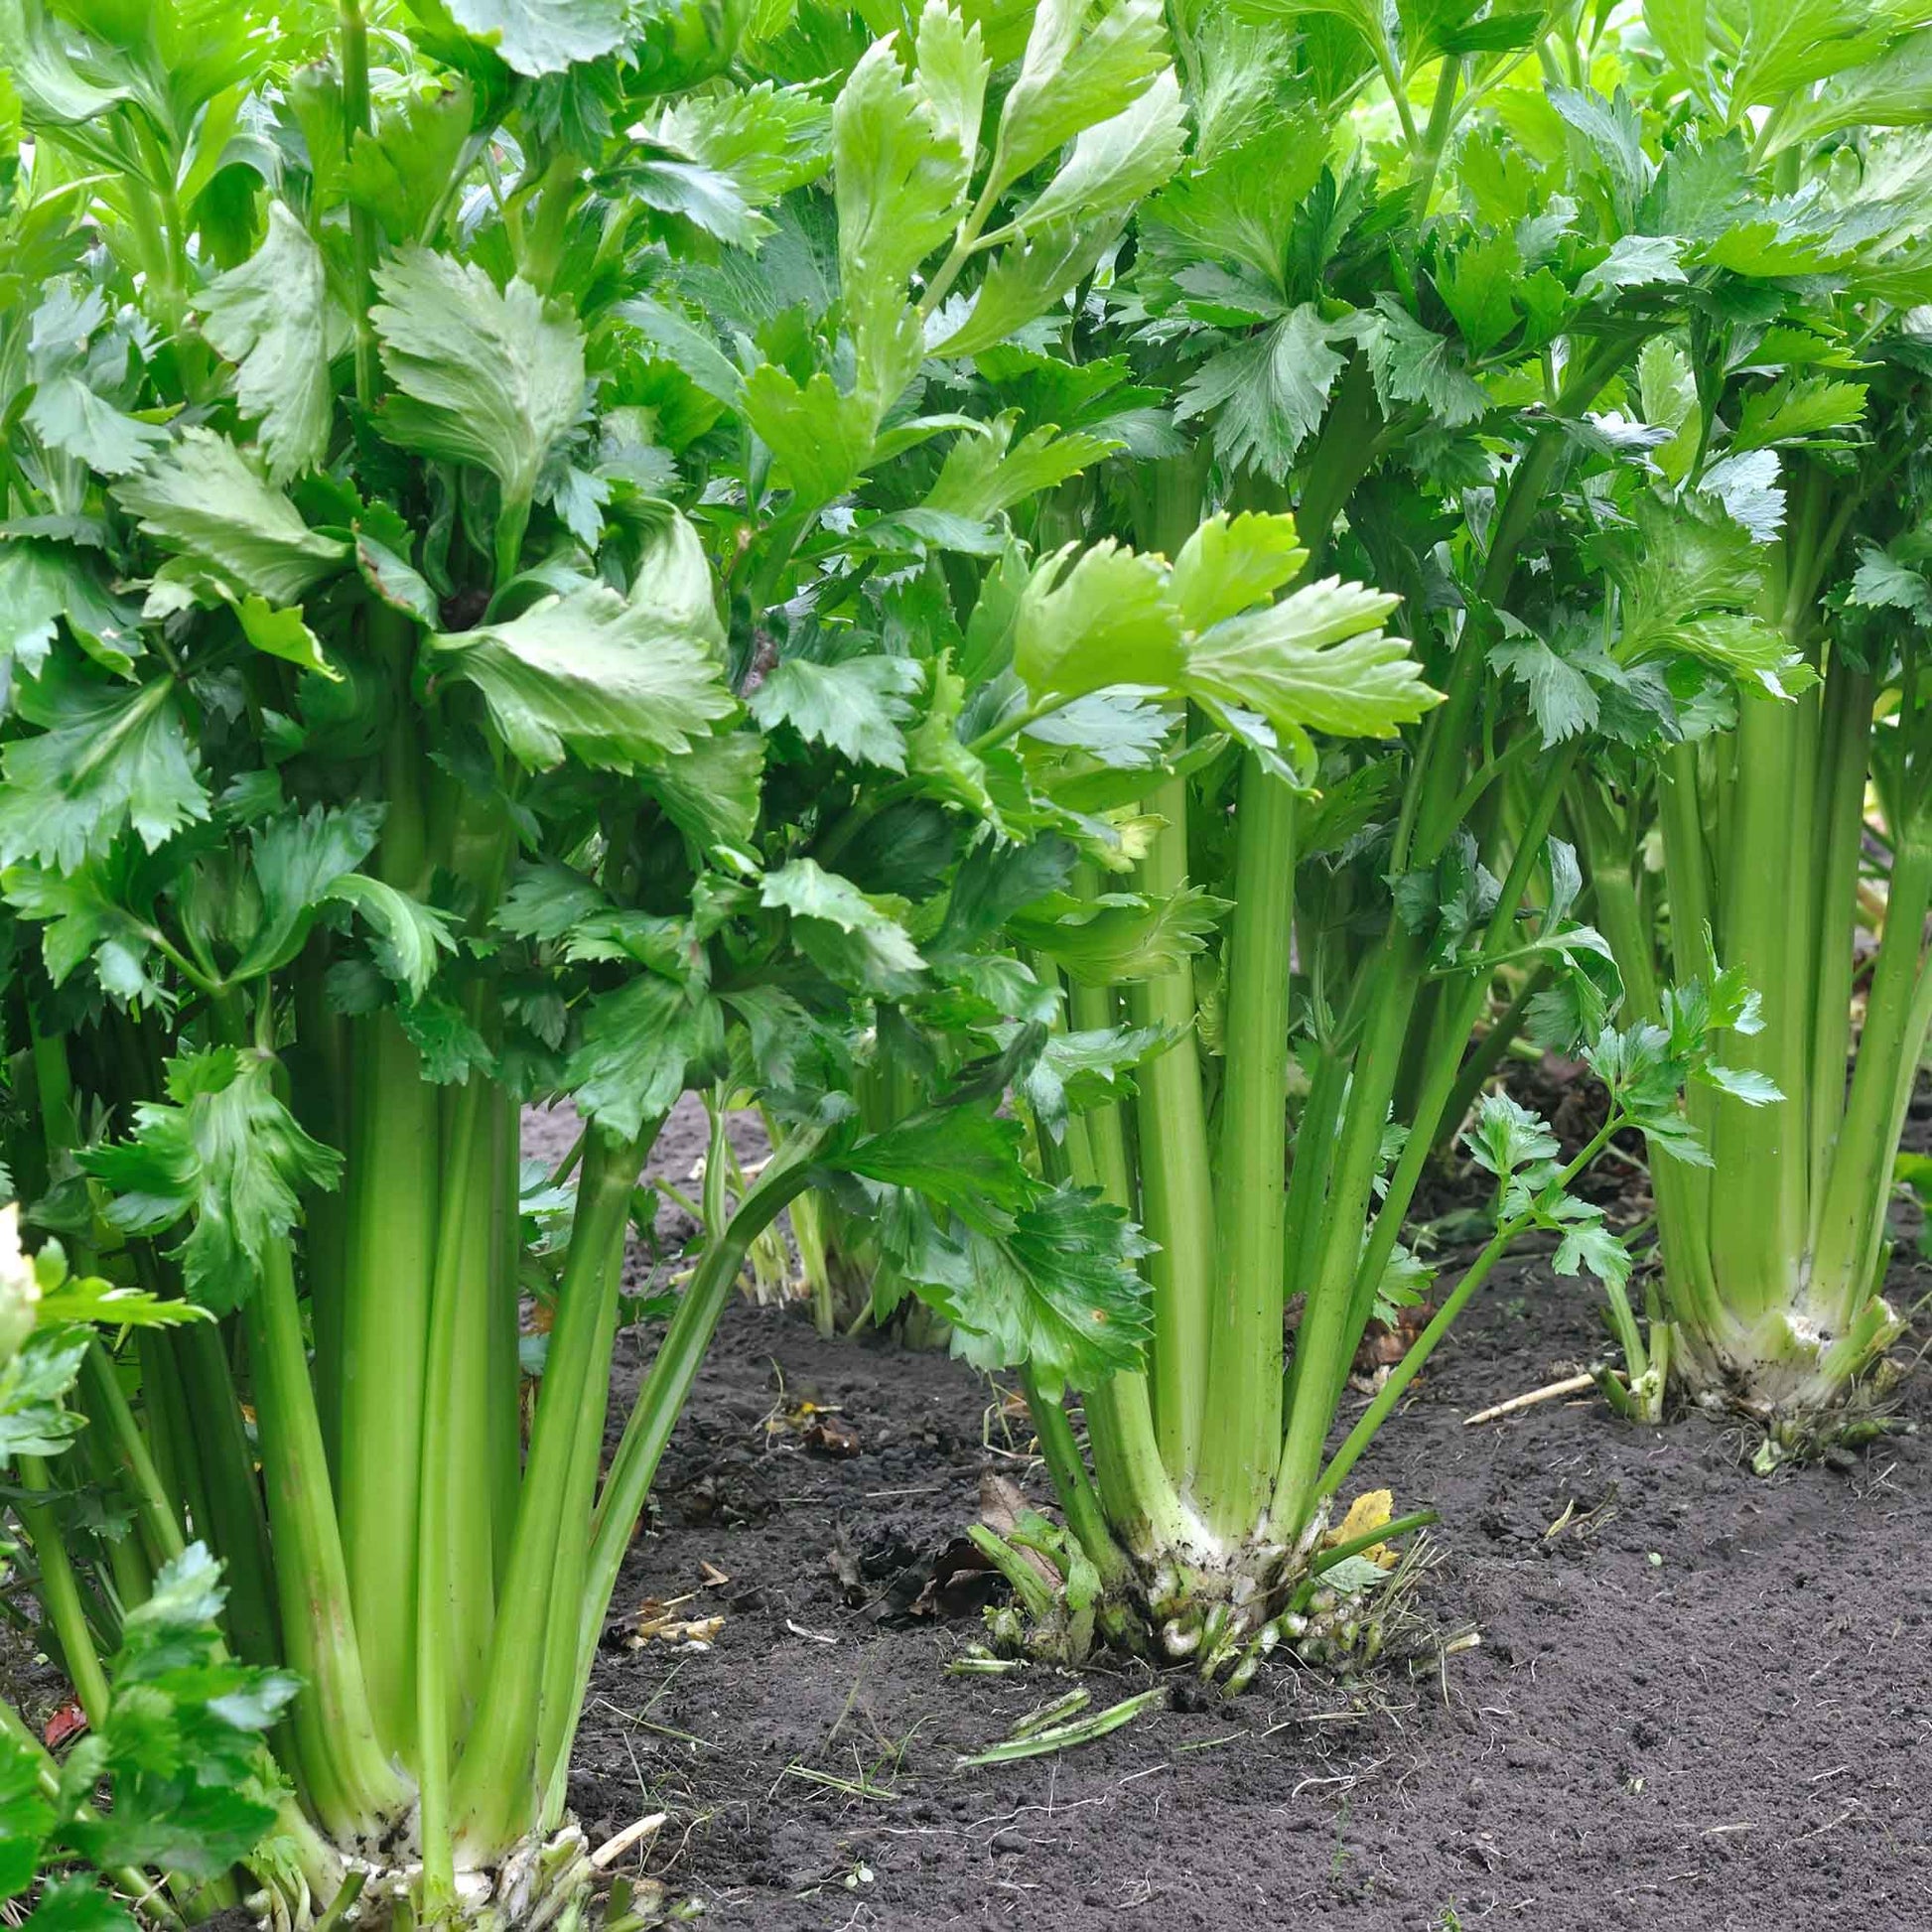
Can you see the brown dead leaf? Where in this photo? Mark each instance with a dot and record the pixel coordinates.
(67, 1722)
(846, 1567)
(817, 1425)
(712, 1576)
(1383, 1346)
(962, 1580)
(830, 1434)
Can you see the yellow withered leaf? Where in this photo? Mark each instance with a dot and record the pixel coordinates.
(1369, 1511)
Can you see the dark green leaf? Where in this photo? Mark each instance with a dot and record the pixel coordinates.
(856, 707)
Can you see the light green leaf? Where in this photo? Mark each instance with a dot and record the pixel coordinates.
(1059, 1293)
(768, 140)
(40, 583)
(1790, 43)
(399, 172)
(1119, 937)
(1318, 661)
(1894, 90)
(944, 766)
(66, 412)
(1793, 409)
(820, 440)
(1506, 1136)
(953, 67)
(965, 1158)
(269, 315)
(851, 940)
(76, 906)
(225, 1150)
(1563, 701)
(1026, 278)
(1679, 28)
(298, 857)
(51, 86)
(33, 596)
(1613, 129)
(705, 196)
(1087, 61)
(409, 935)
(396, 582)
(34, 1420)
(1112, 166)
(203, 500)
(1882, 582)
(1587, 1243)
(546, 900)
(1242, 205)
(1753, 1088)
(1747, 485)
(1100, 617)
(616, 684)
(1230, 563)
(482, 378)
(1478, 290)
(856, 707)
(682, 343)
(642, 1046)
(539, 37)
(1635, 261)
(109, 757)
(1079, 1070)
(66, 415)
(985, 472)
(1411, 363)
(1667, 386)
(898, 173)
(1688, 574)
(710, 792)
(282, 633)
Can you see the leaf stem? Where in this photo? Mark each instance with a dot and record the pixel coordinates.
(362, 224)
(1411, 1365)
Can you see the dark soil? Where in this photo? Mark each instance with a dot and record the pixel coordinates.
(1703, 1704)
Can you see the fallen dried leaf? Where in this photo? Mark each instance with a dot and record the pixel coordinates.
(67, 1722)
(1369, 1511)
(962, 1580)
(830, 1434)
(1382, 1346)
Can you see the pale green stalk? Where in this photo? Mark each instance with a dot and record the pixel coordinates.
(496, 1790)
(1177, 1199)
(1244, 1360)
(350, 1779)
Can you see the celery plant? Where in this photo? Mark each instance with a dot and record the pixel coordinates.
(377, 757)
(1772, 1224)
(1781, 466)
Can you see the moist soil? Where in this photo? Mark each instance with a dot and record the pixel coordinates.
(1699, 1700)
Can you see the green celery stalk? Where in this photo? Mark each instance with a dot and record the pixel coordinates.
(1244, 1367)
(1176, 1202)
(494, 1789)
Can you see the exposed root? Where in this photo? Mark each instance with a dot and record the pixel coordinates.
(543, 1886)
(1795, 1438)
(1221, 1620)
